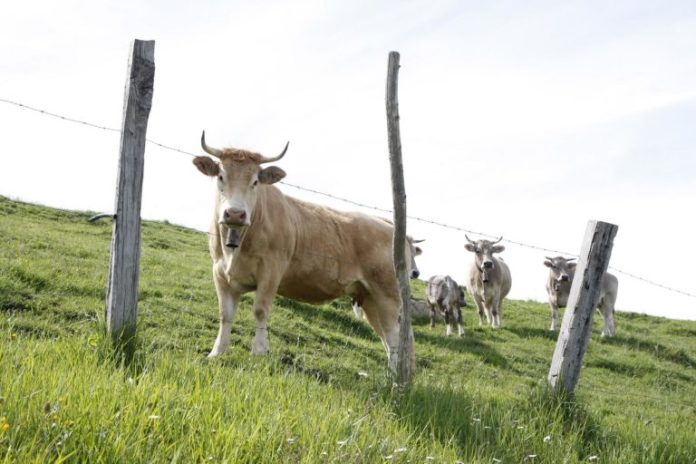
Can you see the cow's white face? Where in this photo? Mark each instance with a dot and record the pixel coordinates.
(238, 180)
(561, 269)
(415, 251)
(483, 251)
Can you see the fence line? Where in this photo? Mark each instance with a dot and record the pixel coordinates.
(355, 203)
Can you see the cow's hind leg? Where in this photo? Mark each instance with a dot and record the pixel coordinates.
(458, 318)
(383, 315)
(228, 298)
(448, 321)
(606, 308)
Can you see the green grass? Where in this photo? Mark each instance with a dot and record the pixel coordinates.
(479, 398)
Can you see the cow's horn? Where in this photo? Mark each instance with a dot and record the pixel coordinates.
(419, 241)
(275, 158)
(469, 240)
(571, 259)
(501, 238)
(211, 151)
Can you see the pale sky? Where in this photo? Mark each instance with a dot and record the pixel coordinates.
(520, 119)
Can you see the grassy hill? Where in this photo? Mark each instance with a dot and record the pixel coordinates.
(322, 394)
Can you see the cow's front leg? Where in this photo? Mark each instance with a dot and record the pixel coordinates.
(554, 316)
(480, 309)
(262, 310)
(432, 315)
(496, 311)
(228, 298)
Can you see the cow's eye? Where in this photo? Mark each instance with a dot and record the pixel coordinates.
(220, 177)
(255, 183)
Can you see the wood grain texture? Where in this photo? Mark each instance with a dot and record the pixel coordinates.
(576, 328)
(405, 351)
(124, 269)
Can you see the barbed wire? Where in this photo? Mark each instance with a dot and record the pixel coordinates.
(355, 203)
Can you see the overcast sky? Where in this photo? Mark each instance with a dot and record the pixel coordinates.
(520, 119)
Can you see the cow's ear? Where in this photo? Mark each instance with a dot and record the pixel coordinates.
(419, 251)
(497, 249)
(548, 263)
(206, 165)
(470, 247)
(271, 175)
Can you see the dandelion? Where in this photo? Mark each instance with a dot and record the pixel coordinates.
(4, 425)
(13, 336)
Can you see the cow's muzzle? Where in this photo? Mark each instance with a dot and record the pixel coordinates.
(488, 264)
(564, 278)
(234, 217)
(415, 273)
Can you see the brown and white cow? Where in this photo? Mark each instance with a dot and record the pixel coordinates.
(262, 240)
(489, 279)
(444, 294)
(561, 273)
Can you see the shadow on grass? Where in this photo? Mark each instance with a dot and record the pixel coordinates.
(533, 332)
(659, 351)
(466, 344)
(338, 319)
(484, 430)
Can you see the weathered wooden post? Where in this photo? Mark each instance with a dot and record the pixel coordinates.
(576, 328)
(405, 350)
(124, 269)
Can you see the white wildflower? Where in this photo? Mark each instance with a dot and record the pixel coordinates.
(547, 438)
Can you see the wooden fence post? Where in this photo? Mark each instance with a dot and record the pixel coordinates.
(124, 269)
(576, 328)
(404, 371)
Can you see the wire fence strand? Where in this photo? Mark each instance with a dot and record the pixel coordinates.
(355, 203)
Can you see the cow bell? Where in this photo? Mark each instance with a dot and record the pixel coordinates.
(232, 238)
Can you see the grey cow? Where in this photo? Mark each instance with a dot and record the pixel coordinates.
(444, 294)
(489, 279)
(561, 273)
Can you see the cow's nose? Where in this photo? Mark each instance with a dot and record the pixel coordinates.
(487, 264)
(564, 278)
(234, 216)
(415, 274)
